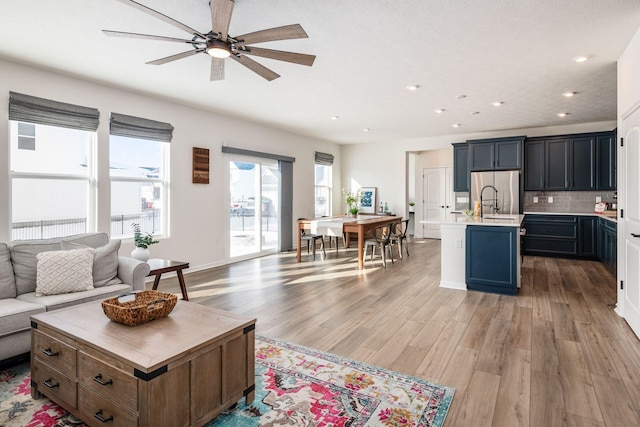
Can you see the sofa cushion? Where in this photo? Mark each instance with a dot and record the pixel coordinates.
(54, 302)
(105, 262)
(23, 255)
(7, 281)
(61, 272)
(15, 315)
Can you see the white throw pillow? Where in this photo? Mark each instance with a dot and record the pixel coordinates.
(61, 272)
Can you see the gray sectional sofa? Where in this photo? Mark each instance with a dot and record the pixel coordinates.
(112, 275)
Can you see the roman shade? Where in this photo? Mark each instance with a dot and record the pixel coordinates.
(137, 127)
(27, 108)
(324, 159)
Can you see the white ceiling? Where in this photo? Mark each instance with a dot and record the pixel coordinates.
(368, 51)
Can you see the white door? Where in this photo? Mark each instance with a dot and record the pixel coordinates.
(436, 200)
(629, 232)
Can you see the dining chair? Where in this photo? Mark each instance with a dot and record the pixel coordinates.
(331, 237)
(399, 236)
(312, 238)
(380, 237)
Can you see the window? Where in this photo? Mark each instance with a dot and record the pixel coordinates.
(323, 178)
(138, 166)
(52, 182)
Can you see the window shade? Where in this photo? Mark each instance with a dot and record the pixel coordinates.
(27, 108)
(136, 127)
(324, 158)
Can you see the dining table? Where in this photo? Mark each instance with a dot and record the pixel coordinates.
(337, 225)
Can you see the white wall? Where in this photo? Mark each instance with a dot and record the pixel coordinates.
(198, 214)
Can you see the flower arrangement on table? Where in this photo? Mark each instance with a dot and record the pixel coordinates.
(352, 200)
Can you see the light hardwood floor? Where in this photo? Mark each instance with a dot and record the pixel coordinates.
(557, 354)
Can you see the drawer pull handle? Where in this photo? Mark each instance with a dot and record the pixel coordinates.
(48, 352)
(49, 384)
(99, 380)
(99, 416)
(635, 235)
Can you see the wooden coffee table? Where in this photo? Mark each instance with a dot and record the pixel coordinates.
(181, 370)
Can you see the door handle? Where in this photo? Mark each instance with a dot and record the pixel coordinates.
(442, 206)
(635, 235)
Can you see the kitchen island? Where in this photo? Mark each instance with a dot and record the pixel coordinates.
(480, 254)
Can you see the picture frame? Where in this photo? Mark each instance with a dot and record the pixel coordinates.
(200, 166)
(368, 200)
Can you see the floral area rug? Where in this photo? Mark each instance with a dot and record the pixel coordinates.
(295, 386)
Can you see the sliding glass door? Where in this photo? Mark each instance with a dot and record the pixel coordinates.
(254, 197)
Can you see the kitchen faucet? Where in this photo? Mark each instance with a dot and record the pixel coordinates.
(495, 199)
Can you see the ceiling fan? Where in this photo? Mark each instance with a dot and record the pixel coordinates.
(220, 45)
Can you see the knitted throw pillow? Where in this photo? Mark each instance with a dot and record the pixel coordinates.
(62, 272)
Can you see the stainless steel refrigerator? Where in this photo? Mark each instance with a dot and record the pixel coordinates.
(503, 198)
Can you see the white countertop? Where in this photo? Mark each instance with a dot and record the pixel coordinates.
(609, 215)
(500, 220)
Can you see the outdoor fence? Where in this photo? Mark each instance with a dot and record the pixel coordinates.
(120, 226)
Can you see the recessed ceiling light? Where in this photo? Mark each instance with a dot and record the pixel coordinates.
(473, 113)
(562, 114)
(569, 94)
(335, 117)
(497, 103)
(366, 130)
(439, 110)
(413, 87)
(457, 125)
(461, 96)
(582, 58)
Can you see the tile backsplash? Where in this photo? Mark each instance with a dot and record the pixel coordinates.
(566, 201)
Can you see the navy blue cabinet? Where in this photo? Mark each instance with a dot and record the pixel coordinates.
(534, 165)
(495, 154)
(606, 161)
(491, 259)
(608, 243)
(551, 235)
(587, 237)
(580, 162)
(461, 174)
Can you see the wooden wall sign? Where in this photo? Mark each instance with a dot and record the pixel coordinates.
(200, 165)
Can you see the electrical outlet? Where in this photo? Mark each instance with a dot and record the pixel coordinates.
(535, 200)
(458, 243)
(598, 199)
(550, 199)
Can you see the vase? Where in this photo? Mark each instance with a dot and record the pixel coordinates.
(141, 254)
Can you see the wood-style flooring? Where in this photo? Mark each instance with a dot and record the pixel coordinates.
(556, 354)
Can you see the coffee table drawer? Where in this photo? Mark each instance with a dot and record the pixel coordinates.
(54, 353)
(98, 411)
(112, 383)
(55, 385)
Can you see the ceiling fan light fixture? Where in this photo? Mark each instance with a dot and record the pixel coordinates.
(218, 49)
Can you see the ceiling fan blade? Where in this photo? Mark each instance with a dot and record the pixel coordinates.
(162, 17)
(175, 57)
(287, 32)
(217, 69)
(221, 11)
(296, 58)
(256, 68)
(148, 36)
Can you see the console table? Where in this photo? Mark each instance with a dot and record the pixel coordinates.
(182, 370)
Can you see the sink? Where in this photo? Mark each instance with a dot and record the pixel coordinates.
(504, 217)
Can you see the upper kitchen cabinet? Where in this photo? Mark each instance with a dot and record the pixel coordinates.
(606, 161)
(461, 167)
(495, 154)
(534, 165)
(570, 162)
